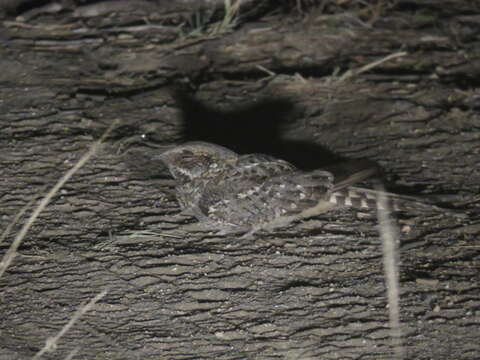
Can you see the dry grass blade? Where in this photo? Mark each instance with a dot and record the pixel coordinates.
(72, 353)
(229, 20)
(370, 66)
(389, 236)
(12, 251)
(51, 342)
(16, 218)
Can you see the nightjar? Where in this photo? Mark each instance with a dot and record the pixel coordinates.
(231, 192)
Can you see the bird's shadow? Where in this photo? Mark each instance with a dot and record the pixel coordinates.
(261, 128)
(256, 128)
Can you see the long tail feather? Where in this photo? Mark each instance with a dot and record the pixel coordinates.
(367, 199)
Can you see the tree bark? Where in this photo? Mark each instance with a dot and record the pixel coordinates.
(301, 80)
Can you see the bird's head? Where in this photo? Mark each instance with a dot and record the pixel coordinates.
(196, 159)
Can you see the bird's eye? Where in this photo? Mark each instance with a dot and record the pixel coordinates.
(186, 153)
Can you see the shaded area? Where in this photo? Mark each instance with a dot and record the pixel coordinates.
(257, 128)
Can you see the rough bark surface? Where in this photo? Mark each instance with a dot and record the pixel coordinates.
(285, 78)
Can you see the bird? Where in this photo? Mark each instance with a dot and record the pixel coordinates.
(226, 191)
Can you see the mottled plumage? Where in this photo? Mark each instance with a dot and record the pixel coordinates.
(228, 191)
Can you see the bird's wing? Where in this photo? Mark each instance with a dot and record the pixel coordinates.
(230, 196)
(294, 193)
(254, 201)
(262, 166)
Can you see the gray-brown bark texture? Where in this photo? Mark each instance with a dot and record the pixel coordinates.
(275, 79)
